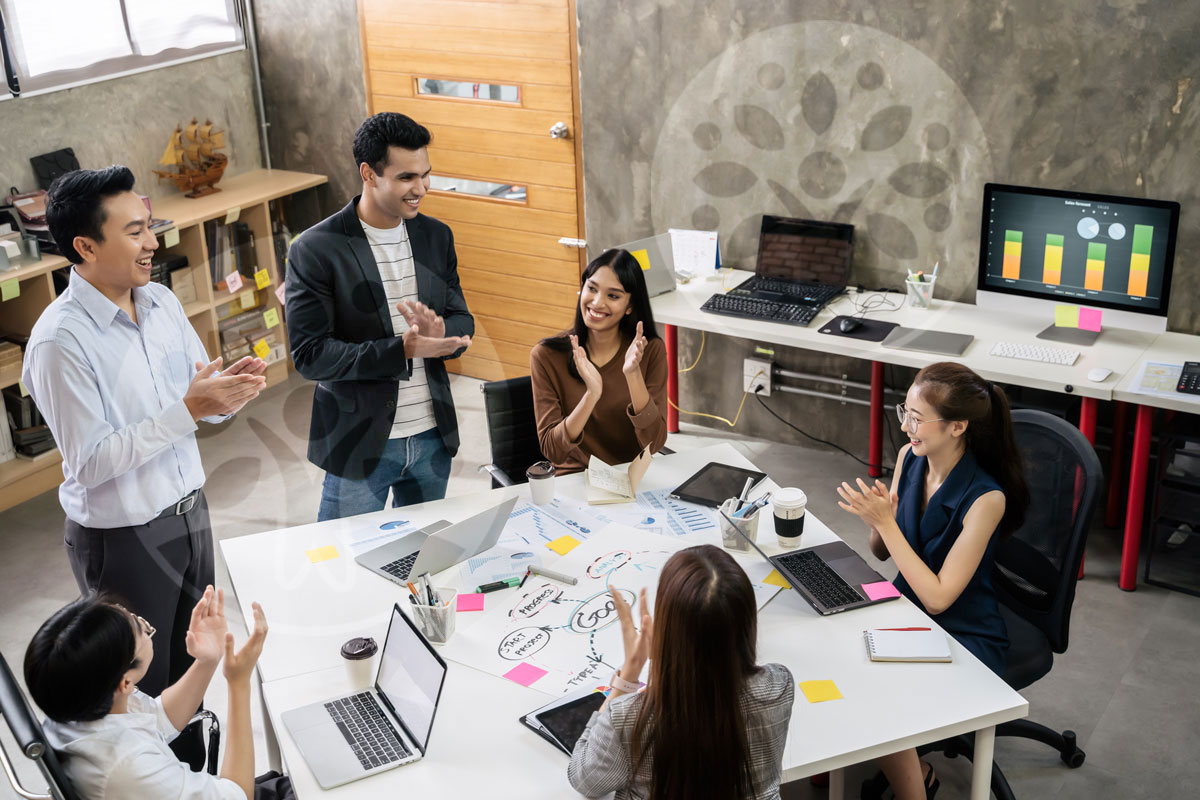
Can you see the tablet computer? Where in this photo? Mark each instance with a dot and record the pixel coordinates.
(715, 483)
(562, 722)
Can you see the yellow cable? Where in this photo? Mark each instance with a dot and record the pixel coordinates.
(714, 416)
(697, 361)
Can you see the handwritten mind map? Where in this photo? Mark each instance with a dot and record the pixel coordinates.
(555, 637)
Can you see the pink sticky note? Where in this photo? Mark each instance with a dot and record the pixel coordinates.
(470, 602)
(1089, 319)
(279, 293)
(880, 590)
(234, 281)
(525, 674)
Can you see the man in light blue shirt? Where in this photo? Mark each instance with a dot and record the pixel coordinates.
(122, 379)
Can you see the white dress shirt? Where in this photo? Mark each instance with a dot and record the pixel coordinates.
(125, 756)
(111, 391)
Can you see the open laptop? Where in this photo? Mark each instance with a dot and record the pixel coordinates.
(658, 262)
(829, 576)
(360, 734)
(800, 260)
(437, 546)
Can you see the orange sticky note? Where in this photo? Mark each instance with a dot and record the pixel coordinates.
(563, 544)
(262, 279)
(319, 554)
(775, 579)
(262, 349)
(820, 691)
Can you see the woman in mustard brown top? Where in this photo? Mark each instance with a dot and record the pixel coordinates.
(601, 388)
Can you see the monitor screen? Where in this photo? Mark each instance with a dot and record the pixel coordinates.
(805, 250)
(410, 677)
(1090, 249)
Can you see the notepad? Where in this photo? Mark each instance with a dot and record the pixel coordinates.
(885, 645)
(608, 484)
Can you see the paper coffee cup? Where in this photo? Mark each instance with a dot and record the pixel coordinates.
(359, 656)
(788, 505)
(541, 482)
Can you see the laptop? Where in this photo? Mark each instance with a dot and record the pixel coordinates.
(658, 262)
(360, 734)
(829, 576)
(800, 261)
(437, 546)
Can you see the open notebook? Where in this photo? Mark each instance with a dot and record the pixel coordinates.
(907, 645)
(609, 484)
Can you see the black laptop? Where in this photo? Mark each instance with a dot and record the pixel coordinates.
(800, 261)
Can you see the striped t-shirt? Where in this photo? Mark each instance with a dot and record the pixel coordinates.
(393, 256)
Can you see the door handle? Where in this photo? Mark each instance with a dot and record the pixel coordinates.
(568, 242)
(559, 130)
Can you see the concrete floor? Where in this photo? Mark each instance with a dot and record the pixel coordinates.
(1126, 685)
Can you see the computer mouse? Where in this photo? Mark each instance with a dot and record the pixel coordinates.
(1098, 374)
(850, 324)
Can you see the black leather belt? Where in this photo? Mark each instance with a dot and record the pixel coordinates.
(182, 507)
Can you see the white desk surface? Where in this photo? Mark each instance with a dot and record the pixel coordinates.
(477, 746)
(1169, 348)
(1118, 350)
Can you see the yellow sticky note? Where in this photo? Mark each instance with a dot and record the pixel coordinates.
(820, 691)
(563, 544)
(246, 299)
(775, 579)
(271, 318)
(22, 389)
(1066, 316)
(319, 554)
(262, 349)
(262, 278)
(642, 258)
(10, 289)
(170, 237)
(232, 215)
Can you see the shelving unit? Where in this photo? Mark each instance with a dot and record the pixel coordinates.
(251, 193)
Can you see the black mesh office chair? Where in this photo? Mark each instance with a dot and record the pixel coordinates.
(512, 429)
(31, 740)
(1035, 575)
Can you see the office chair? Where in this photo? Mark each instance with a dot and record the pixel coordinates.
(1035, 575)
(31, 739)
(512, 429)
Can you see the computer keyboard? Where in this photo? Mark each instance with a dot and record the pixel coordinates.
(367, 730)
(819, 579)
(401, 566)
(757, 308)
(1034, 352)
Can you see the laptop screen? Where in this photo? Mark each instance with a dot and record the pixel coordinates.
(410, 677)
(805, 250)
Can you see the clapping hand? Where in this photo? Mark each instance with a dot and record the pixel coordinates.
(633, 356)
(206, 634)
(214, 392)
(417, 314)
(587, 370)
(874, 505)
(247, 365)
(637, 642)
(426, 335)
(239, 665)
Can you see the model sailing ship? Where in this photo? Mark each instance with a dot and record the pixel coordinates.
(192, 158)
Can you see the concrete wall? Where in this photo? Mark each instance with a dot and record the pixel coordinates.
(128, 120)
(887, 114)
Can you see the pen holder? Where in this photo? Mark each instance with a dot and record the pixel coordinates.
(437, 622)
(920, 293)
(730, 538)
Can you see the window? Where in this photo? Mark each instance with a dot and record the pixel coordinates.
(63, 43)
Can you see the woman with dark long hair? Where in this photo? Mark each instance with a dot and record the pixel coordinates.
(958, 488)
(601, 388)
(711, 722)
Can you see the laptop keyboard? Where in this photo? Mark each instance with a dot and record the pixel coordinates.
(367, 729)
(401, 566)
(819, 579)
(792, 291)
(757, 308)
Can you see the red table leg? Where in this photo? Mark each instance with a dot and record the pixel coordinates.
(1088, 407)
(672, 342)
(1116, 466)
(1138, 466)
(875, 445)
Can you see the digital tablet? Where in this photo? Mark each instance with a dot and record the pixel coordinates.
(562, 723)
(715, 483)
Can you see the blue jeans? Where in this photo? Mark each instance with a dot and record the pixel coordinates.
(415, 468)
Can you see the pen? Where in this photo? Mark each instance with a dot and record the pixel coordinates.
(507, 583)
(759, 503)
(413, 589)
(521, 585)
(429, 588)
(745, 492)
(554, 576)
(936, 264)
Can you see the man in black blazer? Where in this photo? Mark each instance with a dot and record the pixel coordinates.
(374, 307)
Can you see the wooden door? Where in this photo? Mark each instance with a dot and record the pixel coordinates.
(490, 79)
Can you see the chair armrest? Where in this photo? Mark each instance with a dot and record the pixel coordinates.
(15, 782)
(498, 475)
(214, 736)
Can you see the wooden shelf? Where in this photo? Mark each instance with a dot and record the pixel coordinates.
(21, 479)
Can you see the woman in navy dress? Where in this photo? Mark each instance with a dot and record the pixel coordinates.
(959, 487)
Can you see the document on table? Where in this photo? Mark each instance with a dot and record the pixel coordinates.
(608, 484)
(694, 252)
(1157, 378)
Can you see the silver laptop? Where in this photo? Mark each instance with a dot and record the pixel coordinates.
(357, 735)
(437, 546)
(660, 275)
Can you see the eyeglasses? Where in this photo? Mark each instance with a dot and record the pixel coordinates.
(904, 415)
(145, 626)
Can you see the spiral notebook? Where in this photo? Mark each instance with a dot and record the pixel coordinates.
(907, 645)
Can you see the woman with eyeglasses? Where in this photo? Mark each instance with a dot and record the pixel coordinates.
(959, 487)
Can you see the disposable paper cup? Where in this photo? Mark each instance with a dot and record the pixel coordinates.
(730, 538)
(359, 655)
(541, 482)
(437, 622)
(788, 505)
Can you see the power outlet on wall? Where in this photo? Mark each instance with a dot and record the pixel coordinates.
(756, 375)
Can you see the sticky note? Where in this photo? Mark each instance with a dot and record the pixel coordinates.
(10, 289)
(879, 590)
(233, 281)
(21, 388)
(525, 674)
(470, 602)
(232, 215)
(246, 299)
(1066, 316)
(262, 279)
(279, 295)
(262, 349)
(642, 257)
(170, 237)
(1089, 319)
(319, 554)
(563, 544)
(271, 318)
(775, 579)
(820, 691)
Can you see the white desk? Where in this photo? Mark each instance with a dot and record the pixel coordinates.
(478, 748)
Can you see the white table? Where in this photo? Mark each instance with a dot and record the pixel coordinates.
(478, 748)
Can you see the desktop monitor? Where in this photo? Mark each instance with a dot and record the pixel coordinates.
(1045, 247)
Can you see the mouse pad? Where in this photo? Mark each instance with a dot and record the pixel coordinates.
(872, 330)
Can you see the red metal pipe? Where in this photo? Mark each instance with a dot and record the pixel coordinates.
(672, 341)
(875, 445)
